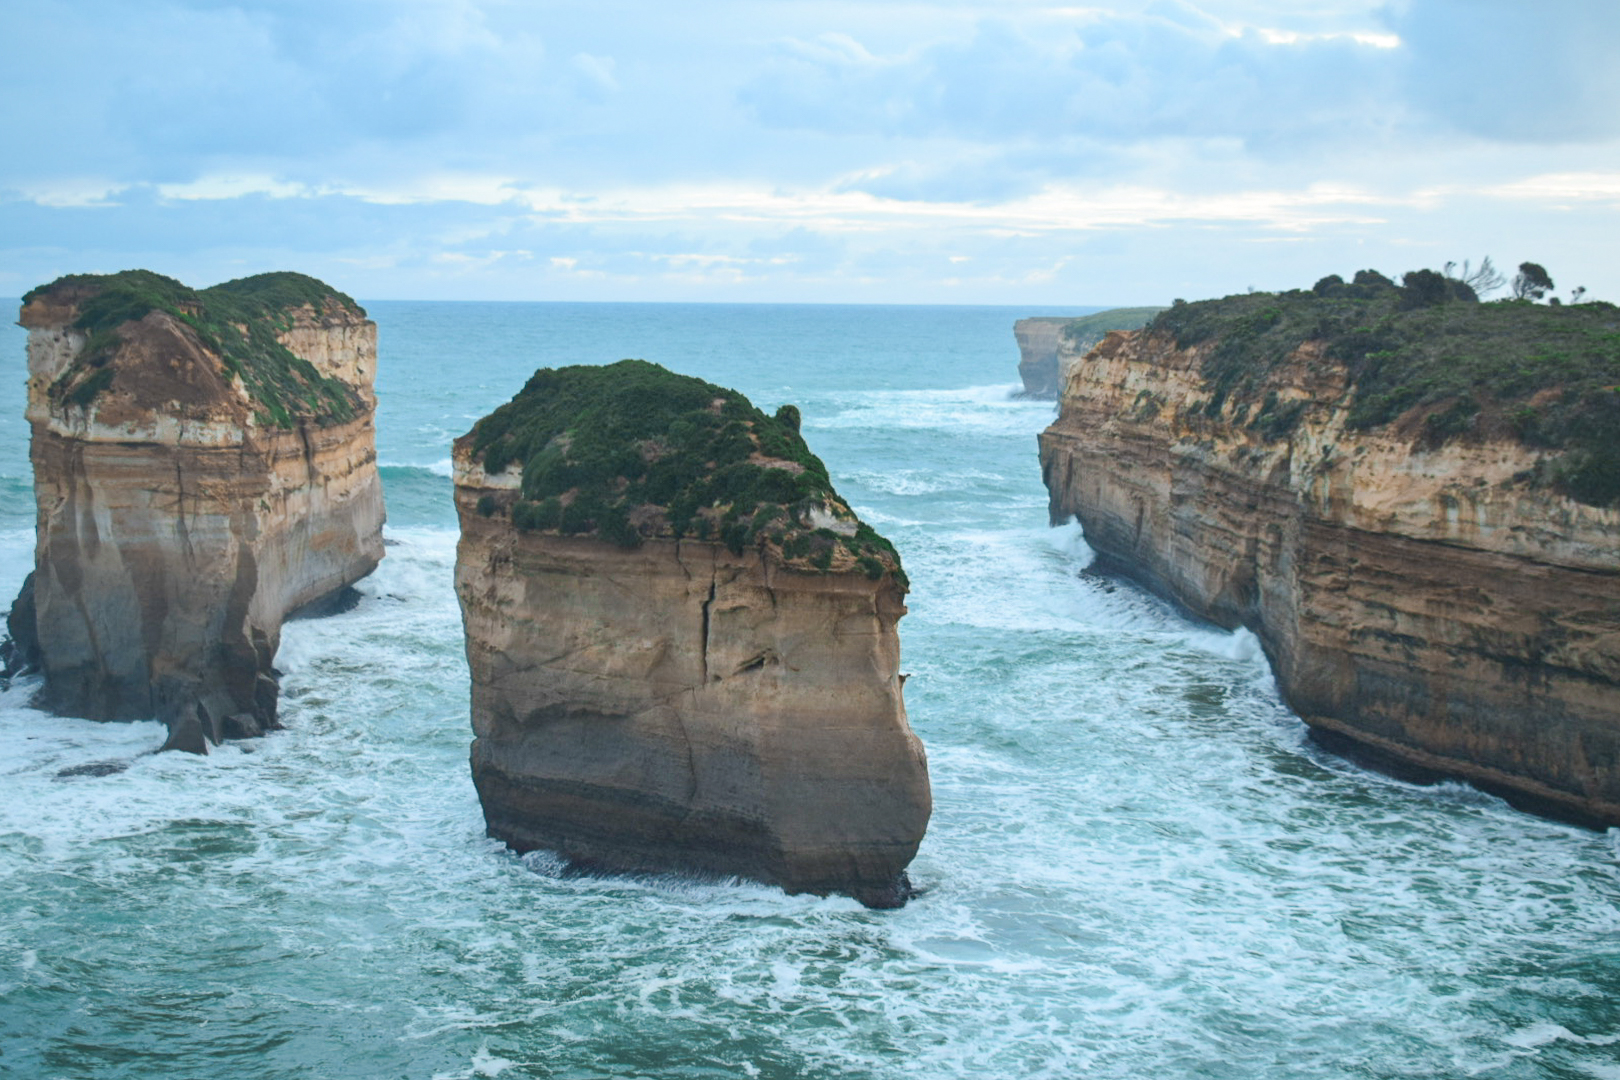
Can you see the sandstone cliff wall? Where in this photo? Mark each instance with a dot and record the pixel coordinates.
(1428, 604)
(177, 529)
(675, 706)
(1039, 341)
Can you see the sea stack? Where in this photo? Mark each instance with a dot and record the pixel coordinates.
(1409, 496)
(204, 466)
(682, 641)
(1048, 345)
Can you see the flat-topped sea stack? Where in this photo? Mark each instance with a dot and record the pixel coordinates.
(1048, 344)
(204, 466)
(682, 641)
(1409, 496)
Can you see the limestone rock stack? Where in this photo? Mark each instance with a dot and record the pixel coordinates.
(682, 643)
(1415, 514)
(204, 465)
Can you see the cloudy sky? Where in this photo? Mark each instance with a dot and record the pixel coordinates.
(947, 151)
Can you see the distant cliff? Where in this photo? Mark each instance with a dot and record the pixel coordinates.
(1047, 344)
(1410, 497)
(682, 642)
(204, 465)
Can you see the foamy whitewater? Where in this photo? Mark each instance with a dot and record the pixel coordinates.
(1137, 866)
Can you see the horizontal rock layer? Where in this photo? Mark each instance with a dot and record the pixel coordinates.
(1427, 604)
(176, 531)
(678, 707)
(1040, 339)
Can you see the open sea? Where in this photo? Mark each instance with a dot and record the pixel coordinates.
(1137, 866)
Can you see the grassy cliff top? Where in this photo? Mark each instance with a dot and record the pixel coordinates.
(631, 450)
(1087, 330)
(1429, 353)
(238, 321)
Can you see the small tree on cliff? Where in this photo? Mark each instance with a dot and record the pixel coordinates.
(1531, 282)
(1484, 280)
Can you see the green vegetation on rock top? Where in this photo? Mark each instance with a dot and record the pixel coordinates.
(630, 450)
(1087, 330)
(237, 321)
(1548, 375)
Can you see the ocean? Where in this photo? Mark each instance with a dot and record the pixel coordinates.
(1137, 867)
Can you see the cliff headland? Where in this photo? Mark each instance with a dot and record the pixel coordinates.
(682, 641)
(1047, 345)
(204, 466)
(1412, 498)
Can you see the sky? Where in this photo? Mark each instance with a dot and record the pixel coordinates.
(891, 151)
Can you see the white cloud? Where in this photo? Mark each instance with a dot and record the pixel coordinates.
(70, 192)
(226, 186)
(828, 145)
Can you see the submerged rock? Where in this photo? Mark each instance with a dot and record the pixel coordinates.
(682, 642)
(1415, 505)
(204, 464)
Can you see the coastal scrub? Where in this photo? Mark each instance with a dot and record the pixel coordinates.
(631, 450)
(238, 321)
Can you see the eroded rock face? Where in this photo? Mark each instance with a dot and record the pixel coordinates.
(1050, 345)
(1429, 604)
(179, 523)
(681, 704)
(1040, 339)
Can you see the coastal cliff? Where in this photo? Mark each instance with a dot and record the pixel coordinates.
(682, 643)
(1048, 345)
(204, 466)
(1408, 496)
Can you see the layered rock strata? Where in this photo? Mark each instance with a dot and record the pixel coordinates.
(1049, 345)
(1430, 600)
(204, 466)
(690, 696)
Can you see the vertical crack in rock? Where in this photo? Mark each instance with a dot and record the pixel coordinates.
(703, 639)
(796, 765)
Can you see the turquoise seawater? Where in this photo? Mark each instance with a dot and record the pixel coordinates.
(1137, 865)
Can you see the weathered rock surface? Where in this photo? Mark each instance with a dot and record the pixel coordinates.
(1039, 340)
(671, 703)
(180, 522)
(1428, 603)
(1048, 345)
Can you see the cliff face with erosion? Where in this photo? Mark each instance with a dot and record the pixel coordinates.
(683, 645)
(1431, 565)
(1048, 345)
(204, 466)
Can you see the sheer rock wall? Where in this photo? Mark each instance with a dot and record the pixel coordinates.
(678, 707)
(176, 530)
(1426, 605)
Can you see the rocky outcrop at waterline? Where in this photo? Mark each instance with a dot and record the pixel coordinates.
(682, 643)
(1047, 345)
(1409, 497)
(204, 466)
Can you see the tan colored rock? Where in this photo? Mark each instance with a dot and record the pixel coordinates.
(178, 528)
(1040, 339)
(1049, 346)
(679, 706)
(1431, 606)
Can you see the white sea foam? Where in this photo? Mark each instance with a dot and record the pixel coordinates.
(1136, 866)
